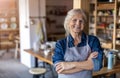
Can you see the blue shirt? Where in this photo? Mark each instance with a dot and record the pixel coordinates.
(93, 42)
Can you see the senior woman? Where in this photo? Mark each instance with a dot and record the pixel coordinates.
(78, 54)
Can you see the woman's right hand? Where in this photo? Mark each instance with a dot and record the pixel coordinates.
(93, 55)
(61, 66)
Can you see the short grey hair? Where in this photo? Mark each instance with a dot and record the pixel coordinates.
(70, 14)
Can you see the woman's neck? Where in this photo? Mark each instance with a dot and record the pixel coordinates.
(76, 37)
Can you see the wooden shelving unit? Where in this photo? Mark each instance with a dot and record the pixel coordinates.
(105, 22)
(9, 23)
(55, 15)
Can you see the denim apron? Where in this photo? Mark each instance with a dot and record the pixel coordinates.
(77, 54)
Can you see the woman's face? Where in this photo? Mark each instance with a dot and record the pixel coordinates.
(76, 24)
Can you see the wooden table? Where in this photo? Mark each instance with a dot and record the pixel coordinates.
(48, 59)
(40, 56)
(104, 71)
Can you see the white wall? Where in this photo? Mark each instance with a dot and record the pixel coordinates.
(24, 32)
(36, 9)
(27, 31)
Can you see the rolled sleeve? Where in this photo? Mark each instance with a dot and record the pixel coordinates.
(97, 62)
(58, 53)
(97, 66)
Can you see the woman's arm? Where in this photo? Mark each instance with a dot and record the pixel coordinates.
(66, 68)
(72, 67)
(96, 46)
(63, 69)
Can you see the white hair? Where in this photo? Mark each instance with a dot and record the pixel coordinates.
(70, 14)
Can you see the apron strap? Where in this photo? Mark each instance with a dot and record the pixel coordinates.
(67, 42)
(87, 42)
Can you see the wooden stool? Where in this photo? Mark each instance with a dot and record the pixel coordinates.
(37, 72)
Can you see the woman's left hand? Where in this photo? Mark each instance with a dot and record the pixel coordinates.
(93, 55)
(61, 66)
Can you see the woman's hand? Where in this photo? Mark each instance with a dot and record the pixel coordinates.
(61, 66)
(93, 55)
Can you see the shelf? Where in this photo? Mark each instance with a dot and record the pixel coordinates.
(104, 28)
(118, 16)
(118, 29)
(106, 2)
(117, 43)
(8, 16)
(3, 38)
(6, 44)
(91, 15)
(9, 29)
(109, 29)
(117, 37)
(92, 2)
(105, 6)
(105, 16)
(37, 17)
(100, 27)
(106, 45)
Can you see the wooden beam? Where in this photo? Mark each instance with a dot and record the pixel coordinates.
(83, 4)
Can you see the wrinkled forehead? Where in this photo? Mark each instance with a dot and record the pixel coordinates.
(77, 16)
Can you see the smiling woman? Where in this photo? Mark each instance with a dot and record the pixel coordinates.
(73, 21)
(77, 54)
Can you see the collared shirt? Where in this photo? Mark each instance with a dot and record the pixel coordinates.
(93, 42)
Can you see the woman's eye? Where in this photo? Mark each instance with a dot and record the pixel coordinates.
(74, 20)
(81, 21)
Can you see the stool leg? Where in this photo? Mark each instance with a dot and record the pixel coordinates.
(43, 75)
(35, 76)
(113, 76)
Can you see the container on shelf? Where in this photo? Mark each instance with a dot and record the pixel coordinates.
(4, 26)
(119, 12)
(110, 60)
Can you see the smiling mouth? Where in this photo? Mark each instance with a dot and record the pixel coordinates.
(76, 27)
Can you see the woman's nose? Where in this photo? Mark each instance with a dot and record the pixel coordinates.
(78, 22)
